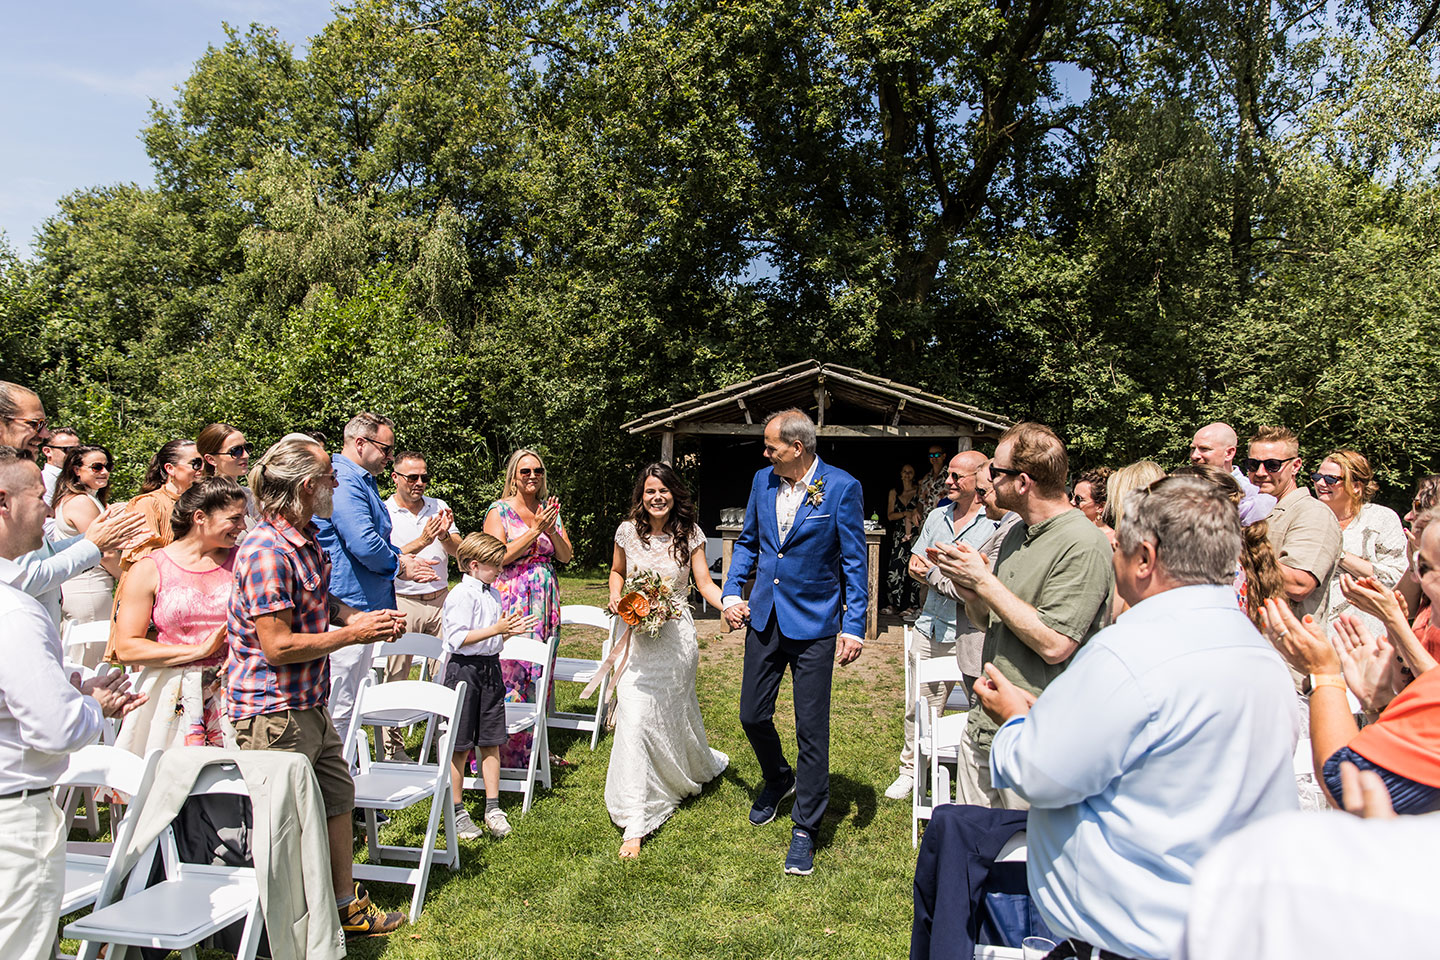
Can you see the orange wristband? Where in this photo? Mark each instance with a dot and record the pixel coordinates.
(1319, 680)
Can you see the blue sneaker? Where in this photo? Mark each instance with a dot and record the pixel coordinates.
(801, 859)
(768, 803)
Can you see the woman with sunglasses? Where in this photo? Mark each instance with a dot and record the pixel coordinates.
(1372, 539)
(171, 472)
(527, 520)
(82, 491)
(227, 454)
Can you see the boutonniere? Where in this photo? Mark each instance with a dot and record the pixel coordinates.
(816, 492)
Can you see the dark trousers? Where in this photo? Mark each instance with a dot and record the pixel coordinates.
(767, 653)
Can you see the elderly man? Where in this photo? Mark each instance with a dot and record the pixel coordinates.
(1048, 593)
(23, 424)
(277, 679)
(44, 715)
(422, 527)
(1303, 531)
(1195, 739)
(1215, 445)
(941, 630)
(357, 538)
(55, 450)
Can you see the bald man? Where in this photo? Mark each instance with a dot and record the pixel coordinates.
(1215, 445)
(942, 628)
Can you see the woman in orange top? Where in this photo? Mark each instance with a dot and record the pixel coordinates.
(1403, 744)
(171, 472)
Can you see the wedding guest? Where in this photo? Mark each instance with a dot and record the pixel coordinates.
(356, 535)
(932, 485)
(44, 715)
(23, 424)
(1304, 533)
(62, 441)
(81, 495)
(527, 520)
(1120, 484)
(183, 589)
(903, 518)
(1046, 593)
(1257, 578)
(1215, 445)
(474, 632)
(1192, 695)
(1088, 495)
(1427, 496)
(660, 754)
(422, 527)
(1372, 540)
(226, 453)
(942, 629)
(171, 472)
(277, 675)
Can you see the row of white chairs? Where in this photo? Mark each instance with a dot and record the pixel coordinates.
(937, 738)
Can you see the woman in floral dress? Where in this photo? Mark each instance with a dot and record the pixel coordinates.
(527, 520)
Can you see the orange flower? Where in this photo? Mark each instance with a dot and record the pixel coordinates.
(633, 607)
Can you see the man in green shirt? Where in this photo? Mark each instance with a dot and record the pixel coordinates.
(1048, 593)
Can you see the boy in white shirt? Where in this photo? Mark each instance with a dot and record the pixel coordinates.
(474, 631)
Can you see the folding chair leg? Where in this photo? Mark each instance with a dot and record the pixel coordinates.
(427, 855)
(530, 771)
(372, 836)
(250, 938)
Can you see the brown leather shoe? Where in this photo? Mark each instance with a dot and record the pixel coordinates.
(361, 918)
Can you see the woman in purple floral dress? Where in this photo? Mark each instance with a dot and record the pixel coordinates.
(527, 519)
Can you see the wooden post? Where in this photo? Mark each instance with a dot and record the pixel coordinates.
(964, 445)
(667, 447)
(872, 558)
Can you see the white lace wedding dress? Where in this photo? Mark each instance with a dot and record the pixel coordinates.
(660, 755)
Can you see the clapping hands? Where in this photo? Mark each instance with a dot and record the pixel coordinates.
(438, 526)
(1371, 596)
(417, 569)
(111, 690)
(516, 623)
(1369, 663)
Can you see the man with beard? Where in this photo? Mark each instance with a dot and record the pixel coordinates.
(1047, 594)
(277, 679)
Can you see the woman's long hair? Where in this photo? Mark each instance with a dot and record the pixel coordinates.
(155, 475)
(1257, 556)
(68, 483)
(680, 524)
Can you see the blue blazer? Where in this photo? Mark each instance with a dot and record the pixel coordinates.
(799, 581)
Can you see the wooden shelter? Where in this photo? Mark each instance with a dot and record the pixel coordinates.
(867, 425)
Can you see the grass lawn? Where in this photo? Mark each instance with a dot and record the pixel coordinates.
(708, 884)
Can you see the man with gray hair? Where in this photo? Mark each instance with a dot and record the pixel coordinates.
(357, 538)
(1171, 729)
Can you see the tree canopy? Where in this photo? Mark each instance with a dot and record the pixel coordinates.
(527, 221)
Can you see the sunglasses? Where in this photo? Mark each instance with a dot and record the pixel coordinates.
(197, 463)
(936, 456)
(240, 450)
(997, 472)
(98, 467)
(52, 446)
(1325, 478)
(36, 425)
(1271, 465)
(414, 477)
(387, 447)
(1079, 501)
(531, 471)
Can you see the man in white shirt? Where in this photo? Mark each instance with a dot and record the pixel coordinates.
(423, 527)
(1170, 730)
(43, 717)
(62, 441)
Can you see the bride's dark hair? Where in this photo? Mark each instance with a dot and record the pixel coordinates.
(681, 521)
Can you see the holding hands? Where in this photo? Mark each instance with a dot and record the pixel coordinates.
(736, 615)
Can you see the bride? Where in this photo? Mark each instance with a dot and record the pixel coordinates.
(660, 755)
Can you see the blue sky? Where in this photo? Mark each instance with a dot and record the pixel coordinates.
(76, 80)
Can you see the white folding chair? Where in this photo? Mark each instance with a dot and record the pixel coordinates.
(382, 785)
(193, 902)
(575, 670)
(410, 644)
(87, 769)
(933, 670)
(76, 638)
(526, 716)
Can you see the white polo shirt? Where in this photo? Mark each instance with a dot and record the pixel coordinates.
(405, 527)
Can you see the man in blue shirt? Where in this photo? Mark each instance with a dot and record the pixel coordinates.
(364, 563)
(1171, 729)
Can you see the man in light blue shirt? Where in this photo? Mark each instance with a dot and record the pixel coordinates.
(1171, 729)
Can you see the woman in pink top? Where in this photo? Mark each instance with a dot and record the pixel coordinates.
(183, 590)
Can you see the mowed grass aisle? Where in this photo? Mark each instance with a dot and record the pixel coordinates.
(708, 884)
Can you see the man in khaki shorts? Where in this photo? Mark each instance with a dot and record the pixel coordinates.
(277, 678)
(423, 527)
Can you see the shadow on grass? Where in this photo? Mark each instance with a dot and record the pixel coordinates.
(846, 795)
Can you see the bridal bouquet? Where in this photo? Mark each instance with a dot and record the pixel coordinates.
(648, 602)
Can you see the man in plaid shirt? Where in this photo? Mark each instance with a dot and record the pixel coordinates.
(277, 679)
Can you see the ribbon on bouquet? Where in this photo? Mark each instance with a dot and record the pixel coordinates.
(621, 652)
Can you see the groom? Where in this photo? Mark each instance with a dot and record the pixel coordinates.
(804, 536)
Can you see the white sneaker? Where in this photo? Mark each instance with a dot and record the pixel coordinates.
(903, 786)
(497, 823)
(465, 828)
